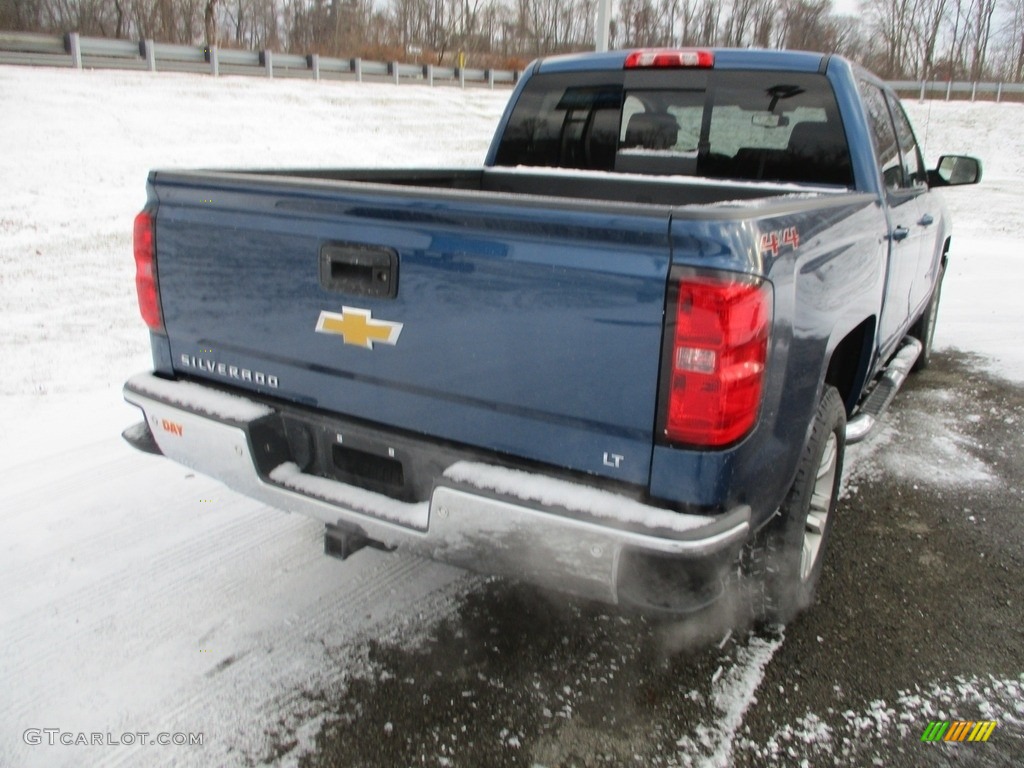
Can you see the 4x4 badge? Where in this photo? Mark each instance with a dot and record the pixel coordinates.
(358, 328)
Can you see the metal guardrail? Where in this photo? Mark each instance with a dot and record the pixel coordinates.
(78, 52)
(72, 50)
(946, 89)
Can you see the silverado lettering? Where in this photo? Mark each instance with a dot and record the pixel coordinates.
(231, 371)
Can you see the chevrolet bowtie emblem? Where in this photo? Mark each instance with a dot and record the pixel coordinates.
(356, 327)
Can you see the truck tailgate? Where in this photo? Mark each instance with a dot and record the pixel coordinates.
(487, 320)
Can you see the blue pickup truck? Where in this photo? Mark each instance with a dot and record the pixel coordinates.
(622, 359)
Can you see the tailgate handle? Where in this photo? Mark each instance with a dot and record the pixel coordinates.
(359, 270)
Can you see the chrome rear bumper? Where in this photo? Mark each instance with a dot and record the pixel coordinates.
(486, 518)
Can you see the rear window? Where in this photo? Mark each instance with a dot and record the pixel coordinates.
(746, 125)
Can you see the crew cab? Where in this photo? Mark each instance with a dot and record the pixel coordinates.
(621, 359)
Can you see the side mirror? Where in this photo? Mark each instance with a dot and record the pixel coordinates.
(954, 170)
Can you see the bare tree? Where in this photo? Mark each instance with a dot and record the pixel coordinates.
(930, 15)
(981, 34)
(890, 20)
(960, 14)
(764, 22)
(698, 22)
(210, 22)
(750, 23)
(1016, 48)
(641, 23)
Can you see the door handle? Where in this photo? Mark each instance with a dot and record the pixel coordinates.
(899, 233)
(360, 270)
(926, 220)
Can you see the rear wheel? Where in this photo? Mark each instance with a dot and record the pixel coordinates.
(924, 328)
(785, 559)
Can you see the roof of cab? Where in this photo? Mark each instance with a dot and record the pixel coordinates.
(725, 58)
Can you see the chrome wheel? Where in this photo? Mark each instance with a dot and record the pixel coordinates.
(785, 560)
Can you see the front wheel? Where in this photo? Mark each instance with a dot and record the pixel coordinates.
(786, 557)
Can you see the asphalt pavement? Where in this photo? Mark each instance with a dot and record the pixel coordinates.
(919, 618)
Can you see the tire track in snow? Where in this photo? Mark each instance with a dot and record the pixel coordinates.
(283, 673)
(212, 542)
(212, 536)
(36, 515)
(105, 615)
(733, 690)
(161, 580)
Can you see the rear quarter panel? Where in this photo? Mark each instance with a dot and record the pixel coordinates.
(823, 288)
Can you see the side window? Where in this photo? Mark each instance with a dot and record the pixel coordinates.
(914, 174)
(883, 135)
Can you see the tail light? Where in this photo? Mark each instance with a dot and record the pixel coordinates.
(670, 58)
(145, 272)
(715, 355)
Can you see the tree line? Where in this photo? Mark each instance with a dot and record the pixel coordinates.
(897, 39)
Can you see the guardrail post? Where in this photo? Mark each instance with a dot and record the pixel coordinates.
(357, 67)
(428, 73)
(211, 55)
(393, 67)
(314, 63)
(268, 62)
(999, 92)
(74, 46)
(490, 79)
(922, 91)
(974, 90)
(149, 54)
(462, 77)
(949, 88)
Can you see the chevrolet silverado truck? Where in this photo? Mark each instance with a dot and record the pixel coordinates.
(622, 359)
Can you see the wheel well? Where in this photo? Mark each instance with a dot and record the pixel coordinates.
(848, 366)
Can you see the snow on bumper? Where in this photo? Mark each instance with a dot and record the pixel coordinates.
(486, 518)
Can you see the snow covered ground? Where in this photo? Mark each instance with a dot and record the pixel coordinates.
(129, 586)
(135, 596)
(980, 312)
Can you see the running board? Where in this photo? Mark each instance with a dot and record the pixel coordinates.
(889, 383)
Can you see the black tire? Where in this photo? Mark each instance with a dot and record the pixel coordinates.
(924, 329)
(785, 558)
